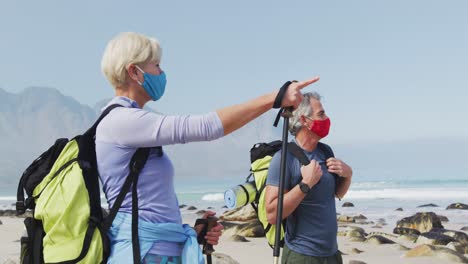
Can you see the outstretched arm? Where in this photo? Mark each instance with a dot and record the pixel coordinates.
(236, 116)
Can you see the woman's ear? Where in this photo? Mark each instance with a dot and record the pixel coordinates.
(132, 72)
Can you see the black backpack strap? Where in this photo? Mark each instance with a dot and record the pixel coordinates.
(136, 165)
(298, 153)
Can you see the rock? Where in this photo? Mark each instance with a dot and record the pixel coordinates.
(409, 237)
(224, 206)
(423, 222)
(428, 205)
(1, 222)
(439, 252)
(356, 262)
(345, 219)
(355, 233)
(356, 228)
(400, 247)
(379, 240)
(8, 212)
(348, 204)
(399, 209)
(219, 258)
(209, 207)
(244, 213)
(433, 238)
(251, 229)
(405, 231)
(356, 251)
(201, 212)
(182, 206)
(465, 228)
(360, 217)
(458, 206)
(381, 221)
(456, 235)
(357, 239)
(458, 247)
(443, 218)
(376, 226)
(191, 208)
(237, 238)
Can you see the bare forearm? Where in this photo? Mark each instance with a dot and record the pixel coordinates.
(236, 116)
(343, 186)
(291, 201)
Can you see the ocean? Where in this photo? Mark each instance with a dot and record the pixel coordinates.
(375, 198)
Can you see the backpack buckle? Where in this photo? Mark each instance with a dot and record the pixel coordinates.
(20, 208)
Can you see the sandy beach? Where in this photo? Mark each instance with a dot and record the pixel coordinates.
(256, 250)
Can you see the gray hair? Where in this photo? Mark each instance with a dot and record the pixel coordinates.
(304, 109)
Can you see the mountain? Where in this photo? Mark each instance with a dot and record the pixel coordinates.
(31, 121)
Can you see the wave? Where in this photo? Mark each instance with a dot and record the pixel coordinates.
(213, 197)
(410, 193)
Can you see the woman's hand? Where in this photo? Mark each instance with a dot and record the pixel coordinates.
(293, 95)
(212, 236)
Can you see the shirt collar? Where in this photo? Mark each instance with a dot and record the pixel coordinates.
(124, 101)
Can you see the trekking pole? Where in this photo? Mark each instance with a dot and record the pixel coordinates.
(287, 113)
(208, 248)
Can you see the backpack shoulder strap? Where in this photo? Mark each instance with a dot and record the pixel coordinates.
(298, 153)
(92, 129)
(326, 149)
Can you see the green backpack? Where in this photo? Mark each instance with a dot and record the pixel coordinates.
(67, 223)
(260, 156)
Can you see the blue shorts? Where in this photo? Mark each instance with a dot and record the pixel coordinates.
(158, 259)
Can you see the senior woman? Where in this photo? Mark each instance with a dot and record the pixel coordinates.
(131, 63)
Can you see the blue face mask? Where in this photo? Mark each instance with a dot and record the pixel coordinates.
(154, 85)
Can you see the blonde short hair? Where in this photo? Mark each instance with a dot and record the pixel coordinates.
(125, 49)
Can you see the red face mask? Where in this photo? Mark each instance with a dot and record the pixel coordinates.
(320, 127)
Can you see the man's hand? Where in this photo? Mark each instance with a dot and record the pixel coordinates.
(311, 173)
(339, 167)
(212, 236)
(293, 95)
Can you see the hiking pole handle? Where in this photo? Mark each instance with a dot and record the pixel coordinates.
(287, 113)
(208, 248)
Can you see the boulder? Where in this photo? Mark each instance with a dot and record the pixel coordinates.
(356, 251)
(191, 208)
(436, 251)
(245, 213)
(399, 209)
(237, 238)
(458, 247)
(458, 206)
(443, 218)
(428, 205)
(456, 235)
(379, 240)
(423, 222)
(201, 212)
(409, 237)
(465, 228)
(433, 238)
(219, 258)
(360, 217)
(348, 204)
(8, 212)
(405, 231)
(251, 229)
(1, 222)
(345, 219)
(182, 206)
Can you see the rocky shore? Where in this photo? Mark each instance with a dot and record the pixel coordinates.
(421, 237)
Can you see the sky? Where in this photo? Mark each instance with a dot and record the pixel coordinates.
(390, 70)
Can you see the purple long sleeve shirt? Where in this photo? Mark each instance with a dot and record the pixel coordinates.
(127, 128)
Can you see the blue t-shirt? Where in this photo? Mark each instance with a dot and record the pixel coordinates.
(311, 229)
